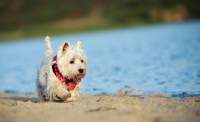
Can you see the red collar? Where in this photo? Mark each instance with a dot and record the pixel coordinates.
(69, 83)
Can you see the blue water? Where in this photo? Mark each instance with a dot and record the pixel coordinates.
(162, 58)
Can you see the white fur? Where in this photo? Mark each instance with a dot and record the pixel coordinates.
(69, 61)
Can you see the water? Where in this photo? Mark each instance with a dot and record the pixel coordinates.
(161, 58)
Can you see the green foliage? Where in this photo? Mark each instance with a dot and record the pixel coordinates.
(193, 7)
(127, 11)
(18, 14)
(27, 12)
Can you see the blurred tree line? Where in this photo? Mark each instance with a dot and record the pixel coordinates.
(127, 11)
(20, 13)
(16, 14)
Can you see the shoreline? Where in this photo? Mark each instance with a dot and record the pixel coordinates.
(27, 107)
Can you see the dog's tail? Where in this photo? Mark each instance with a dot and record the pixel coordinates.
(49, 49)
(48, 43)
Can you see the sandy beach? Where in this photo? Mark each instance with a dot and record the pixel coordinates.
(27, 107)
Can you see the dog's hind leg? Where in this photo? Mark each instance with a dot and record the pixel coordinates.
(42, 92)
(49, 49)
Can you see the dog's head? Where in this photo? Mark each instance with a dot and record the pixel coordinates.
(72, 61)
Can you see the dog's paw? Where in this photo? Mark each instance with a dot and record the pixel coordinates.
(63, 97)
(66, 96)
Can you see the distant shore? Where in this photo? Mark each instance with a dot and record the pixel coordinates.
(17, 20)
(24, 107)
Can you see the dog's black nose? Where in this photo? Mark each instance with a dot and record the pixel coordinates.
(80, 70)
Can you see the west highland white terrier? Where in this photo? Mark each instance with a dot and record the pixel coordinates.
(59, 76)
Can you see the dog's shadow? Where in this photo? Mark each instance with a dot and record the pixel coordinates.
(25, 98)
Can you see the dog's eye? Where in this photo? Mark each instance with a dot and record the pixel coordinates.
(81, 61)
(71, 62)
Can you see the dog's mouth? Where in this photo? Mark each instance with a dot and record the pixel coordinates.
(79, 76)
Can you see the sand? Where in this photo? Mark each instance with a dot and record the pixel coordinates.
(27, 108)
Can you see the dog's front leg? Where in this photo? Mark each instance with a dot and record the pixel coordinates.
(60, 93)
(62, 97)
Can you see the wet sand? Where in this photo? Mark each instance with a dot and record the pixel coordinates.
(26, 107)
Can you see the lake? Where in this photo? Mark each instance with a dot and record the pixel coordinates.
(162, 58)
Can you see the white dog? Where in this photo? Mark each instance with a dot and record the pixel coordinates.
(59, 76)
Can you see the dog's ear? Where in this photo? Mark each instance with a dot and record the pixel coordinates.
(63, 48)
(78, 45)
